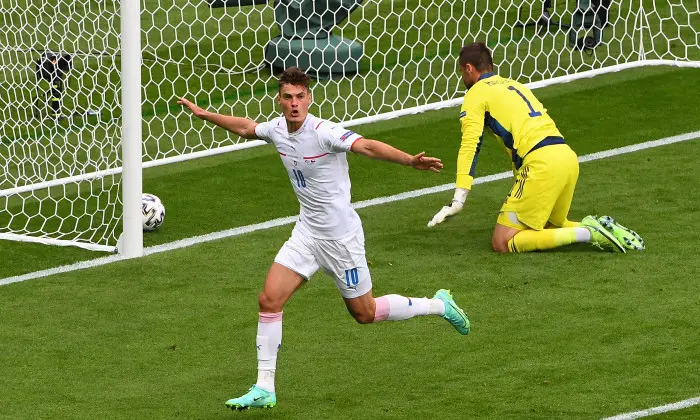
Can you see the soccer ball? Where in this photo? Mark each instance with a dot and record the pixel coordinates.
(152, 210)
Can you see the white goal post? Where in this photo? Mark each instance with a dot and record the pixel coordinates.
(89, 86)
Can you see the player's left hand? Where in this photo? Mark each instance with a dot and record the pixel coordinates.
(426, 163)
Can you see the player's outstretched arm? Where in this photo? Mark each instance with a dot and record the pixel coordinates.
(378, 150)
(237, 125)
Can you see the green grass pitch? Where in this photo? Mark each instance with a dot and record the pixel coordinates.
(572, 333)
(568, 334)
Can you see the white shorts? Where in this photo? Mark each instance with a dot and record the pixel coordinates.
(343, 259)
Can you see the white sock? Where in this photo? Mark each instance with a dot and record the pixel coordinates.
(583, 235)
(268, 341)
(397, 307)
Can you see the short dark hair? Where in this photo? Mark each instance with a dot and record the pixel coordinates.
(294, 76)
(478, 55)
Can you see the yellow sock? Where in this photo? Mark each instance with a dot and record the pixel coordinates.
(567, 224)
(538, 240)
(571, 224)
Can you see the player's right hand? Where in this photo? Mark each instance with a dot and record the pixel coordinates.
(426, 163)
(445, 212)
(197, 111)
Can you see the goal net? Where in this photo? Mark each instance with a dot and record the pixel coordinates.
(60, 108)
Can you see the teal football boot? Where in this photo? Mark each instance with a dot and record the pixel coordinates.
(256, 398)
(453, 313)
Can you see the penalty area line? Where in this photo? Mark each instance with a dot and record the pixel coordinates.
(242, 230)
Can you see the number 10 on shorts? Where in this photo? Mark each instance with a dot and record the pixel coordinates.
(351, 277)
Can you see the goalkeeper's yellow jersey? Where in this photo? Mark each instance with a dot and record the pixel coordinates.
(511, 112)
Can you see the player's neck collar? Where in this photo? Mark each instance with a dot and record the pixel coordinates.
(301, 127)
(487, 75)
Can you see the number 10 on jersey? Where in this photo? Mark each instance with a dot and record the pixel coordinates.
(301, 182)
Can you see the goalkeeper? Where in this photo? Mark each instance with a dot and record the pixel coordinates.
(534, 215)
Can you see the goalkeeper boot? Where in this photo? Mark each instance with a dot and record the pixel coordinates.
(600, 237)
(256, 398)
(453, 313)
(627, 237)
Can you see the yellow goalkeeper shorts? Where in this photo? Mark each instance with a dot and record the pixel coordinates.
(543, 191)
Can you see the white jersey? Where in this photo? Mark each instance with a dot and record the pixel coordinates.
(318, 169)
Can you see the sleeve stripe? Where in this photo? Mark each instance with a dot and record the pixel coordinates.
(472, 168)
(355, 141)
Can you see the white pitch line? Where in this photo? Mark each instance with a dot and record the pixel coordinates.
(183, 243)
(656, 410)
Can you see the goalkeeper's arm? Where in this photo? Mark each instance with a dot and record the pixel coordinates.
(237, 125)
(472, 123)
